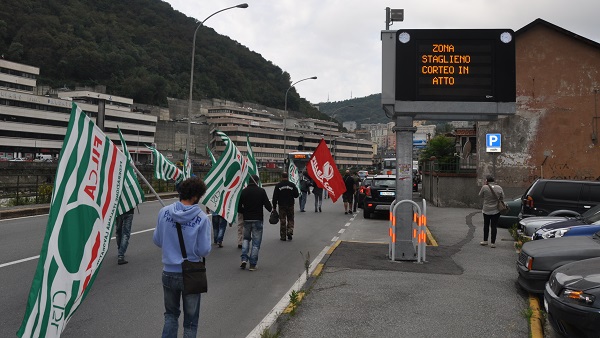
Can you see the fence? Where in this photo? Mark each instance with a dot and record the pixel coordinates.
(23, 183)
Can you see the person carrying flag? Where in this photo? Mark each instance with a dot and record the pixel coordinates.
(283, 195)
(195, 227)
(251, 204)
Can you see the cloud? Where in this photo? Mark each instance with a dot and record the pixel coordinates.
(339, 41)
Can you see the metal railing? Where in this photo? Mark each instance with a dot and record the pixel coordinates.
(24, 183)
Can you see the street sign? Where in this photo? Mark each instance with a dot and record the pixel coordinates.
(493, 143)
(465, 65)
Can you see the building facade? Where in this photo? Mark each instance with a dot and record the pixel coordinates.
(32, 124)
(554, 133)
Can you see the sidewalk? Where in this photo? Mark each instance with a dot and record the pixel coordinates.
(463, 290)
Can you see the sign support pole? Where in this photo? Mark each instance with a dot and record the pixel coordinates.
(404, 246)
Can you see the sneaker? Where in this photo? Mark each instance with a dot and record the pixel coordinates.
(484, 243)
(282, 239)
(220, 244)
(320, 209)
(243, 265)
(121, 261)
(345, 213)
(252, 267)
(289, 237)
(302, 211)
(316, 210)
(492, 245)
(239, 246)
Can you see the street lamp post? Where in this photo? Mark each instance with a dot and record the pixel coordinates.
(244, 5)
(285, 118)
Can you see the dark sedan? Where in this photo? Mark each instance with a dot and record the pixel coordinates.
(572, 299)
(538, 259)
(589, 218)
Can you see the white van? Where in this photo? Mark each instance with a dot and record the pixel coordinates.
(43, 158)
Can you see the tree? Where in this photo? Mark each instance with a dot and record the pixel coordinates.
(442, 148)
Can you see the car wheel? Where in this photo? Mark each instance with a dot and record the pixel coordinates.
(366, 213)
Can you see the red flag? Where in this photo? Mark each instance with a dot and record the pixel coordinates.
(322, 169)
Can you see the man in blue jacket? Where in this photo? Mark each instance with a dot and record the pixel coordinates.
(195, 227)
(252, 201)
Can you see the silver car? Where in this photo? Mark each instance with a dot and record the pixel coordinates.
(530, 225)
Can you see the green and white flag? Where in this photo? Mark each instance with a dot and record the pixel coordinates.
(165, 169)
(89, 179)
(132, 191)
(213, 161)
(187, 166)
(293, 175)
(252, 167)
(225, 181)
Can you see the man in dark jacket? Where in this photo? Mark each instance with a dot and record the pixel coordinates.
(252, 201)
(283, 195)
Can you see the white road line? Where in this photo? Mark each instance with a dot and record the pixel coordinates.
(335, 239)
(36, 257)
(271, 317)
(19, 261)
(347, 224)
(341, 231)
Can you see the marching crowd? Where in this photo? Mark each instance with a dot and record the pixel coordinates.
(191, 239)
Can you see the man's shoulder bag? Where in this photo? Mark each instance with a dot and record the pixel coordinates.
(194, 273)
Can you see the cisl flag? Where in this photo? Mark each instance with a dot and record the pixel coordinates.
(225, 180)
(322, 169)
(89, 180)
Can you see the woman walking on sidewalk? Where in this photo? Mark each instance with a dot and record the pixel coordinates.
(490, 211)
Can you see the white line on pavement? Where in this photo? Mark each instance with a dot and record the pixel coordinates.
(347, 224)
(335, 239)
(341, 231)
(271, 317)
(38, 256)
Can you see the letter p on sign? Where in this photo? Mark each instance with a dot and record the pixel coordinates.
(493, 143)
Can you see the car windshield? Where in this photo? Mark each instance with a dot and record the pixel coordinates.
(384, 183)
(592, 215)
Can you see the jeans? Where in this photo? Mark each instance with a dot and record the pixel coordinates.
(219, 225)
(303, 197)
(173, 292)
(493, 221)
(318, 200)
(123, 232)
(253, 230)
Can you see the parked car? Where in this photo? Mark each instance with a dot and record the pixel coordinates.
(584, 225)
(538, 259)
(531, 224)
(546, 196)
(572, 299)
(567, 231)
(512, 217)
(362, 190)
(379, 194)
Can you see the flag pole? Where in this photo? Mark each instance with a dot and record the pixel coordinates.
(148, 184)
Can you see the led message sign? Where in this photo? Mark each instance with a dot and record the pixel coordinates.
(455, 65)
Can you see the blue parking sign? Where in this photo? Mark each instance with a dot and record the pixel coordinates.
(493, 143)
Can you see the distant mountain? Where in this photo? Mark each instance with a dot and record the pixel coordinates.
(138, 49)
(365, 110)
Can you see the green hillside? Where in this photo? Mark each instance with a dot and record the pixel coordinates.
(138, 49)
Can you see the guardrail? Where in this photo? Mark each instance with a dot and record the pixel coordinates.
(25, 183)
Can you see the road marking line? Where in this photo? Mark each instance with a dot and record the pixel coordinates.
(347, 224)
(334, 239)
(333, 247)
(341, 231)
(271, 317)
(38, 256)
(19, 261)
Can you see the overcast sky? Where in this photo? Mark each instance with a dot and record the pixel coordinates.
(339, 40)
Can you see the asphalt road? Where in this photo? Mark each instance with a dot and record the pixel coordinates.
(126, 301)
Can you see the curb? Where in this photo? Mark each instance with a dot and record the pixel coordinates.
(536, 320)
